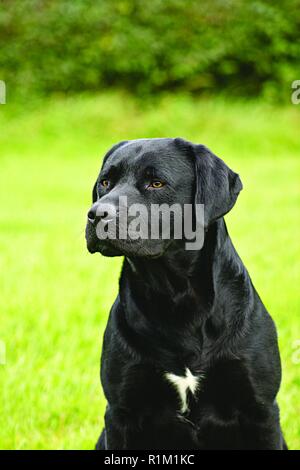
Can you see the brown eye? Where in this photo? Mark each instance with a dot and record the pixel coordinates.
(156, 184)
(105, 183)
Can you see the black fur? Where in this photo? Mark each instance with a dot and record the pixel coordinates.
(178, 309)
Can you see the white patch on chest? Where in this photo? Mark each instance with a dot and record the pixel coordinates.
(182, 385)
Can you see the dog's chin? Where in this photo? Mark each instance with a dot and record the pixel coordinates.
(104, 249)
(137, 249)
(110, 251)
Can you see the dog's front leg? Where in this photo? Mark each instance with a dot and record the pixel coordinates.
(264, 434)
(115, 429)
(124, 430)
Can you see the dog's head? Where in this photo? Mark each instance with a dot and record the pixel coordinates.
(146, 174)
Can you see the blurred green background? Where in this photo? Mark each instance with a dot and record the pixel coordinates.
(81, 76)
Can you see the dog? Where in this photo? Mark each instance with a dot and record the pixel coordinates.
(190, 357)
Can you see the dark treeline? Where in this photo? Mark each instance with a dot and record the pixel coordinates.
(240, 47)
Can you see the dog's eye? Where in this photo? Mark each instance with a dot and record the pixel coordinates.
(156, 184)
(104, 183)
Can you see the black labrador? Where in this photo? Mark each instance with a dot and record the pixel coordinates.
(190, 356)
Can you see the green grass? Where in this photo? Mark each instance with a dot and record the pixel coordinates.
(55, 297)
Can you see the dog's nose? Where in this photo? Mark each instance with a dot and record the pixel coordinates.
(100, 211)
(92, 214)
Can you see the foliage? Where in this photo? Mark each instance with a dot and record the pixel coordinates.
(241, 47)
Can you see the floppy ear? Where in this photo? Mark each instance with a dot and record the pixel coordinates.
(112, 150)
(217, 186)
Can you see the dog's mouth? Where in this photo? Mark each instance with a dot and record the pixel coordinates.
(120, 248)
(128, 247)
(104, 248)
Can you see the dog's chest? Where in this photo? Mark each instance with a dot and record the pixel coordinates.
(183, 385)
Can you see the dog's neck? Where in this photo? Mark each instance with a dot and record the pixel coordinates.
(174, 306)
(179, 277)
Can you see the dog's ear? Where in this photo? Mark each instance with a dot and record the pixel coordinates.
(113, 149)
(217, 186)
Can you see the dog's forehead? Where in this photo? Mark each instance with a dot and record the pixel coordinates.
(144, 152)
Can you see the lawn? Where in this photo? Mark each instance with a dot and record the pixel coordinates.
(55, 297)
